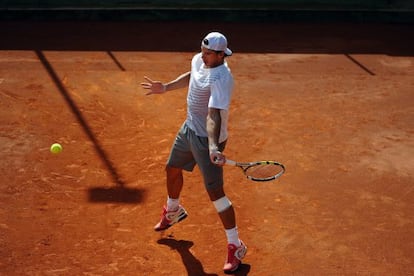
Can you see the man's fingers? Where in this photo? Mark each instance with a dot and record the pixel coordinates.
(148, 79)
(155, 87)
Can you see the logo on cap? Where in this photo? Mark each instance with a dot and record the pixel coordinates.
(217, 42)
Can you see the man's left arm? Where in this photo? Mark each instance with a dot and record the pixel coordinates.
(213, 132)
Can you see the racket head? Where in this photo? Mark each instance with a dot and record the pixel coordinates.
(263, 170)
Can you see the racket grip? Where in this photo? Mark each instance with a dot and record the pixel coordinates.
(230, 162)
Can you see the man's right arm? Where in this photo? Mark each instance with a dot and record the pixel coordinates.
(180, 82)
(157, 87)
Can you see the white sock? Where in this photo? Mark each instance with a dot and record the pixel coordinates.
(172, 204)
(233, 236)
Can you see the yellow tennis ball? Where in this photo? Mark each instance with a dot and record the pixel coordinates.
(56, 148)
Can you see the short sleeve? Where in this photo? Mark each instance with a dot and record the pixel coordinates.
(221, 91)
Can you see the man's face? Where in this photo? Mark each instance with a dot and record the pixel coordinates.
(212, 58)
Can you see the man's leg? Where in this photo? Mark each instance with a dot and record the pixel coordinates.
(173, 212)
(227, 216)
(236, 248)
(174, 181)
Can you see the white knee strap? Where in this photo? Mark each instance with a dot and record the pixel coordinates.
(222, 204)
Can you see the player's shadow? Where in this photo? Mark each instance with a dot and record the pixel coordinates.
(191, 263)
(243, 270)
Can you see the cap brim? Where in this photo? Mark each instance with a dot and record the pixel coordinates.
(228, 52)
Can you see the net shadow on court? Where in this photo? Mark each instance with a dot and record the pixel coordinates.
(118, 192)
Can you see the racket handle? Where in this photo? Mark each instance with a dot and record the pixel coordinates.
(231, 162)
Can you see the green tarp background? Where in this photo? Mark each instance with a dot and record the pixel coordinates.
(393, 11)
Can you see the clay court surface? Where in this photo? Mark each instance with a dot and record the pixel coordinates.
(333, 102)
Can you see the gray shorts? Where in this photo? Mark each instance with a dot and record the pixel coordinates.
(188, 150)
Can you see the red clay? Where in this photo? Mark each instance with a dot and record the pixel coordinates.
(333, 104)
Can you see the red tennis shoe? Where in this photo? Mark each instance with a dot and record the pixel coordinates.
(169, 218)
(234, 256)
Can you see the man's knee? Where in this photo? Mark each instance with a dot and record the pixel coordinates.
(222, 204)
(172, 170)
(215, 194)
(173, 173)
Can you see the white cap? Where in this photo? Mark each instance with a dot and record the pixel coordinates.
(217, 42)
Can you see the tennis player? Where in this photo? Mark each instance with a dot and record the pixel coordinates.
(202, 138)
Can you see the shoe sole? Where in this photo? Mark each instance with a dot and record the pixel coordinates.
(233, 270)
(169, 225)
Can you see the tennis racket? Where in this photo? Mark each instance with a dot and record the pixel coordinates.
(260, 170)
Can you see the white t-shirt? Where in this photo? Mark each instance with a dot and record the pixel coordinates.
(208, 88)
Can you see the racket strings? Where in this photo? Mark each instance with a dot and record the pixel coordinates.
(263, 171)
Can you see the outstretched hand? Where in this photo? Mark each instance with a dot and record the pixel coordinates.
(154, 87)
